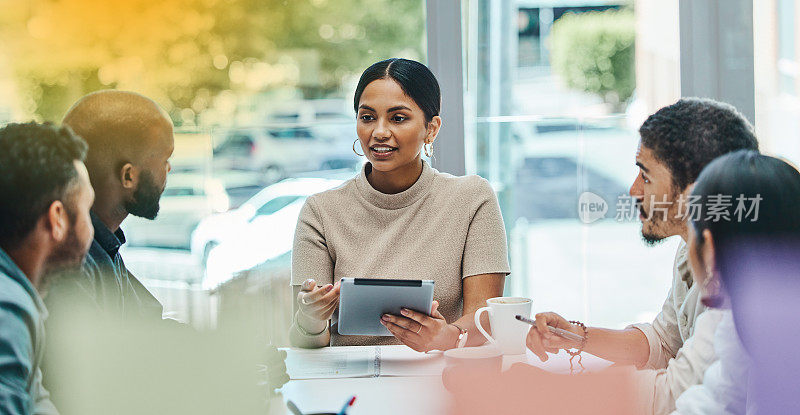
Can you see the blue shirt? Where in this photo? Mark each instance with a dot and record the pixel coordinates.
(22, 315)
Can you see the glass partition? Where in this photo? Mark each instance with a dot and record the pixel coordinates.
(554, 103)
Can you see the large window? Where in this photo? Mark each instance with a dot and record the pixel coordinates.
(260, 93)
(556, 91)
(777, 70)
(787, 61)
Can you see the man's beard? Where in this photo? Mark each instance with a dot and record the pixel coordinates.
(145, 198)
(66, 258)
(650, 237)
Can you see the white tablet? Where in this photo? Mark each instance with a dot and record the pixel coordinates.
(363, 301)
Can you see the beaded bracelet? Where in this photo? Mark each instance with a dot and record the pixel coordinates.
(580, 348)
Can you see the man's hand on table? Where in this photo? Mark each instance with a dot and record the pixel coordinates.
(275, 362)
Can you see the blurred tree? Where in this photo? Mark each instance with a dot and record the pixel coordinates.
(185, 52)
(594, 52)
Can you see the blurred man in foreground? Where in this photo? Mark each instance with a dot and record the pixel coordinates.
(44, 225)
(106, 336)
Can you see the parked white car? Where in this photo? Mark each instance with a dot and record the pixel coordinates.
(187, 199)
(308, 112)
(260, 229)
(281, 150)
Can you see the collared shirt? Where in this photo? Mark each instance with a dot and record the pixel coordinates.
(105, 281)
(681, 343)
(22, 315)
(103, 287)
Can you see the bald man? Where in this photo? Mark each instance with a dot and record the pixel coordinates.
(105, 327)
(130, 142)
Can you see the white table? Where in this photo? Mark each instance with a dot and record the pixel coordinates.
(382, 395)
(388, 395)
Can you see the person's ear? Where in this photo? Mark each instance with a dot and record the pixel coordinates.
(708, 253)
(57, 221)
(712, 285)
(433, 128)
(129, 176)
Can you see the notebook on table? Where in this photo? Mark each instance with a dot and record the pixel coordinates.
(361, 361)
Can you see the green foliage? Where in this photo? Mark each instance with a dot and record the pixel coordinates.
(184, 53)
(594, 52)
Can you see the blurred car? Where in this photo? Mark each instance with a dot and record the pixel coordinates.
(263, 227)
(309, 111)
(278, 151)
(557, 160)
(187, 199)
(240, 185)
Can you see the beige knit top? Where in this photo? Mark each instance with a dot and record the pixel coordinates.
(443, 228)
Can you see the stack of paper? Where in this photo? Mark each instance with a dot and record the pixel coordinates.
(361, 361)
(374, 361)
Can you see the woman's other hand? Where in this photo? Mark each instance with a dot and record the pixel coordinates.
(422, 332)
(318, 303)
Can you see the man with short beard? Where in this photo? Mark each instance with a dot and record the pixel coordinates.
(107, 339)
(676, 143)
(44, 225)
(130, 142)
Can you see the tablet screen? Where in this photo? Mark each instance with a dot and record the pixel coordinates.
(363, 301)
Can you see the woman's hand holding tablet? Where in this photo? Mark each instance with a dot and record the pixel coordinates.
(422, 332)
(415, 329)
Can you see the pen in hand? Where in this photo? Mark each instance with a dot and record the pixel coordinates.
(555, 330)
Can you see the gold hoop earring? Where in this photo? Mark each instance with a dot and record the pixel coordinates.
(425, 148)
(354, 149)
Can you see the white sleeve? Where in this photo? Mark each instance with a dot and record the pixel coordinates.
(43, 405)
(657, 390)
(724, 387)
(663, 335)
(700, 399)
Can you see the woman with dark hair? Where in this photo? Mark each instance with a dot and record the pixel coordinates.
(402, 219)
(743, 242)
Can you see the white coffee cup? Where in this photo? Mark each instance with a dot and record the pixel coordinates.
(508, 333)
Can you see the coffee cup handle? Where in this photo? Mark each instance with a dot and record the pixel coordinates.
(480, 328)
